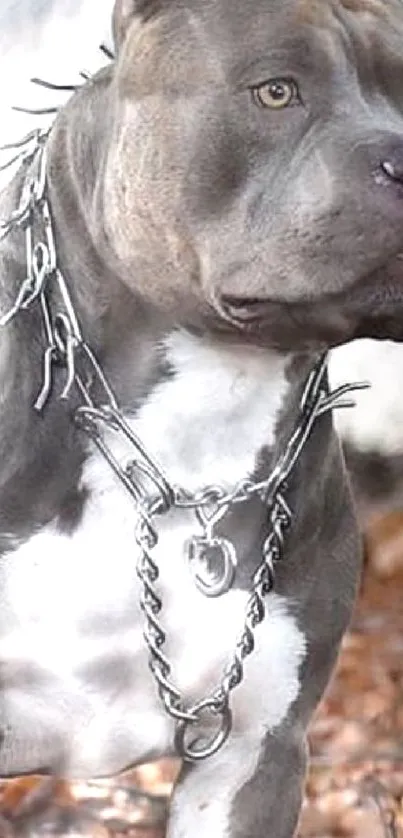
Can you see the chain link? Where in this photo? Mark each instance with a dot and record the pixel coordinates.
(201, 727)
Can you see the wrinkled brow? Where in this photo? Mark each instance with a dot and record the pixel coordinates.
(321, 12)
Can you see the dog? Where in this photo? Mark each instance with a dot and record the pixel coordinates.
(226, 201)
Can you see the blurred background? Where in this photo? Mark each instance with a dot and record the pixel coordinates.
(355, 784)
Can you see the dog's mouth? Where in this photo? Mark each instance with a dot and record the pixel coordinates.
(244, 310)
(372, 306)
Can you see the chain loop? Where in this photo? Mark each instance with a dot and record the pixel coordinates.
(210, 742)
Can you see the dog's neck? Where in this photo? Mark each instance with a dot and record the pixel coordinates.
(206, 406)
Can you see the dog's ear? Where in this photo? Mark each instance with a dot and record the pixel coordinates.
(126, 10)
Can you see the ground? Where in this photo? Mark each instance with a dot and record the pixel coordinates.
(355, 784)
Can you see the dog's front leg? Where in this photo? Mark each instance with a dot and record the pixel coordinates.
(251, 789)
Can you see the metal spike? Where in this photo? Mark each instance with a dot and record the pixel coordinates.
(49, 85)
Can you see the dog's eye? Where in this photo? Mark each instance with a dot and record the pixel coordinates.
(275, 93)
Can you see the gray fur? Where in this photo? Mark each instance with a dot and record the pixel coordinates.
(173, 196)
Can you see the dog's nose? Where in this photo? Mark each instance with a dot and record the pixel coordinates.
(392, 165)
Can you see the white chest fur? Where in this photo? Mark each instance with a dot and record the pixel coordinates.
(71, 628)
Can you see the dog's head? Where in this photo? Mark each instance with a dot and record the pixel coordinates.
(254, 174)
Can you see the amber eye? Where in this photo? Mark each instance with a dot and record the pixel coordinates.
(275, 93)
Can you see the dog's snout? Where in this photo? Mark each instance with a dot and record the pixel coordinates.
(385, 153)
(392, 163)
(393, 169)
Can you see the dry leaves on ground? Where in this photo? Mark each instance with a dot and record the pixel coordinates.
(355, 784)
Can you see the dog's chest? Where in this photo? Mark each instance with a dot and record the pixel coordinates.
(71, 623)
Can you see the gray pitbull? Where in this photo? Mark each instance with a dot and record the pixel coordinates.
(227, 200)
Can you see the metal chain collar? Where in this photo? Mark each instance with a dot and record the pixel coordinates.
(201, 727)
